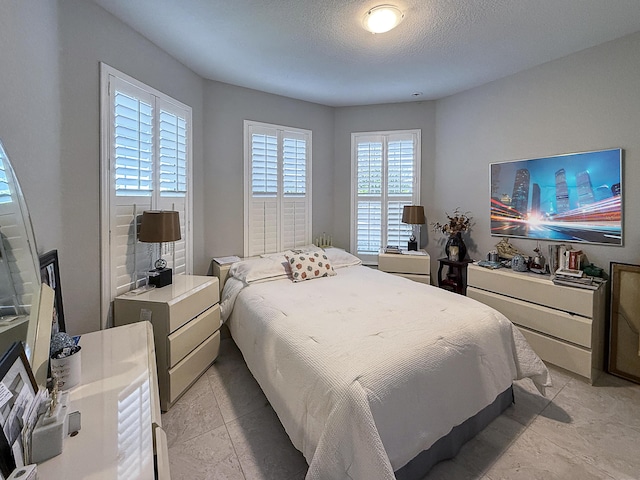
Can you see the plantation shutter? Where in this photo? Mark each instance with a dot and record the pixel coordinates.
(385, 179)
(146, 166)
(370, 181)
(132, 153)
(295, 228)
(5, 191)
(277, 191)
(173, 177)
(400, 187)
(264, 205)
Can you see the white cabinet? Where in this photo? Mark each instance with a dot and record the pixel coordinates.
(186, 321)
(117, 398)
(413, 267)
(564, 325)
(221, 271)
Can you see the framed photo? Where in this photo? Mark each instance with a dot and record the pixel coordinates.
(576, 197)
(624, 328)
(50, 274)
(18, 391)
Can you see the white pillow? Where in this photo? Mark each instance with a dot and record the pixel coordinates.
(340, 258)
(309, 265)
(256, 269)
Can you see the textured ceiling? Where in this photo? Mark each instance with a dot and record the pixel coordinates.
(319, 52)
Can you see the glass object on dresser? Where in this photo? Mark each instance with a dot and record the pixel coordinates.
(21, 301)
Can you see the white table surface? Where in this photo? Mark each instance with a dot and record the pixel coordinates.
(114, 398)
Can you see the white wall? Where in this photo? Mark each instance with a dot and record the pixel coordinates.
(89, 35)
(226, 108)
(586, 101)
(30, 110)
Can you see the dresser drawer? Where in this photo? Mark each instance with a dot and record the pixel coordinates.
(533, 288)
(570, 357)
(185, 307)
(189, 336)
(562, 325)
(398, 263)
(192, 366)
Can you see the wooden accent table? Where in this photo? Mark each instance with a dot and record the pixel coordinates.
(456, 277)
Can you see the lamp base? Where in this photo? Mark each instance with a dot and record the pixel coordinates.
(412, 245)
(160, 277)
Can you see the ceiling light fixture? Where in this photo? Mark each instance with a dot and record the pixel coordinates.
(382, 18)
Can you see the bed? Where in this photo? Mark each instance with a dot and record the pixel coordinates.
(373, 376)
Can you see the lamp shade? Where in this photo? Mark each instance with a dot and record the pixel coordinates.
(413, 214)
(159, 226)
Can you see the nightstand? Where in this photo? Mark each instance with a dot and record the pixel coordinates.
(456, 278)
(186, 322)
(413, 267)
(220, 271)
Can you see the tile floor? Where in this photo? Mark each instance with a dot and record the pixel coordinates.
(224, 428)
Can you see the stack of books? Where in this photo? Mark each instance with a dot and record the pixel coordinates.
(563, 256)
(576, 278)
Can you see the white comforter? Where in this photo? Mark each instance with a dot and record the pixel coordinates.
(365, 369)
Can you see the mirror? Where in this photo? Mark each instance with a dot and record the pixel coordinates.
(21, 302)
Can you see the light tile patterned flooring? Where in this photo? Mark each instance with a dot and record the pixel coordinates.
(224, 428)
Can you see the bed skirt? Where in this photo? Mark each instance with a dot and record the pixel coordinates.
(449, 445)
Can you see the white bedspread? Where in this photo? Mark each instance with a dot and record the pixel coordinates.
(365, 369)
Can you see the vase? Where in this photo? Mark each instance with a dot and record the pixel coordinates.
(456, 240)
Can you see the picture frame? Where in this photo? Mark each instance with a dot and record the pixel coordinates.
(50, 274)
(624, 324)
(573, 197)
(18, 390)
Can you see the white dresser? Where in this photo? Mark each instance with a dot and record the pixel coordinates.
(117, 397)
(186, 322)
(564, 325)
(413, 267)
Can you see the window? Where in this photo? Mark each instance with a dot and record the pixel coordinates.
(385, 173)
(146, 165)
(277, 178)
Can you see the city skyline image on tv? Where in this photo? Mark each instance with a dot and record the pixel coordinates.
(575, 197)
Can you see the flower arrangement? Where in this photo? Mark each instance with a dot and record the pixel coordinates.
(458, 222)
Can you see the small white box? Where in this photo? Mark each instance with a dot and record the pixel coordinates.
(28, 472)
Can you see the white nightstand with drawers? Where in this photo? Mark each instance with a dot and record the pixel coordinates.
(413, 267)
(186, 321)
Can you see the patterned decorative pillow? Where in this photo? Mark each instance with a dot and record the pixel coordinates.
(308, 265)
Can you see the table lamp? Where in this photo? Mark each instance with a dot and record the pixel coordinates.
(160, 226)
(413, 215)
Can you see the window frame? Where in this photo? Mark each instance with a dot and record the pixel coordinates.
(280, 198)
(109, 199)
(385, 136)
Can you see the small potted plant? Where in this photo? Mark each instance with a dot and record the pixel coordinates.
(458, 222)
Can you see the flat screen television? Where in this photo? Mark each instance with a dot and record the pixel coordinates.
(575, 197)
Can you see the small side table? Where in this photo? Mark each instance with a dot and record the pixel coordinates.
(456, 277)
(220, 267)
